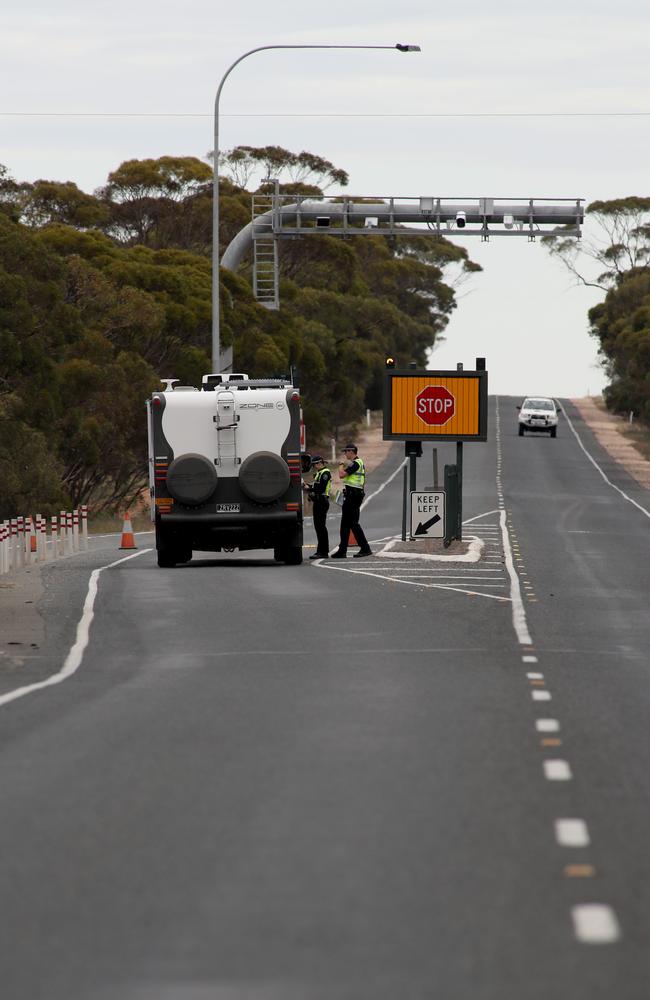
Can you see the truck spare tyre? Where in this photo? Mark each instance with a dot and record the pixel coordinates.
(191, 479)
(264, 476)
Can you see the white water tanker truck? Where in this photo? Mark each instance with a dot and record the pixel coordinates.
(225, 467)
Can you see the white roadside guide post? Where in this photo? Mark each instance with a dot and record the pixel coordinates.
(216, 342)
(27, 539)
(20, 527)
(54, 531)
(30, 541)
(43, 538)
(14, 542)
(33, 537)
(3, 547)
(75, 530)
(84, 525)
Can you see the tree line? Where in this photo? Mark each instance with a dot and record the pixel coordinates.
(103, 294)
(615, 257)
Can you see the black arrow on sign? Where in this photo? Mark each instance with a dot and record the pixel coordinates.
(422, 529)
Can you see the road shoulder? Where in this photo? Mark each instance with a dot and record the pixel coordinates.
(22, 630)
(609, 430)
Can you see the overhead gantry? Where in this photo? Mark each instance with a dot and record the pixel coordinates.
(276, 216)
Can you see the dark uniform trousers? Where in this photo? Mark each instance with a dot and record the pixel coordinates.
(319, 511)
(352, 501)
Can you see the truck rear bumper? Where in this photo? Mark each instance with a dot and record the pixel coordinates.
(209, 532)
(277, 518)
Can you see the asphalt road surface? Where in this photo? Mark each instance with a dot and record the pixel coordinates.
(366, 780)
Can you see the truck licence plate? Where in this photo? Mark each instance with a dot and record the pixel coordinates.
(228, 508)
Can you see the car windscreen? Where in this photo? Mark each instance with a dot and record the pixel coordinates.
(538, 404)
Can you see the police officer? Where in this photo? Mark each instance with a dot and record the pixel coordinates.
(318, 493)
(352, 472)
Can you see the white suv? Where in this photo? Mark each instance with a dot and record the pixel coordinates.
(538, 413)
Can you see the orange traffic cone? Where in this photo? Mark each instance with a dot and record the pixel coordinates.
(128, 540)
(352, 540)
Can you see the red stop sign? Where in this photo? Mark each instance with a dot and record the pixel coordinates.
(435, 404)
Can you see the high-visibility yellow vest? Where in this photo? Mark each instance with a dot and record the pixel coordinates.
(356, 479)
(328, 484)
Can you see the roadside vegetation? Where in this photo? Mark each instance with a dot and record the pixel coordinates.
(102, 295)
(616, 259)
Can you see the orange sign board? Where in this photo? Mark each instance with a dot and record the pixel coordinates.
(451, 406)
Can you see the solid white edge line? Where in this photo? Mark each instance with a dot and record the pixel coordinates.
(478, 517)
(601, 472)
(384, 484)
(519, 622)
(75, 656)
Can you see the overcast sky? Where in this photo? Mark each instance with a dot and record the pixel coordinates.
(504, 100)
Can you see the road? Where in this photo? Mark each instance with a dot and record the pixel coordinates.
(384, 778)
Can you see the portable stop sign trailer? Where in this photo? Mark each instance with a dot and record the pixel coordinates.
(445, 405)
(441, 406)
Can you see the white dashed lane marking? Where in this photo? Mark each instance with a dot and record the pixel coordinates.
(595, 923)
(557, 770)
(547, 726)
(572, 833)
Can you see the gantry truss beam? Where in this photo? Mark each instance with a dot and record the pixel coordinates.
(277, 216)
(461, 216)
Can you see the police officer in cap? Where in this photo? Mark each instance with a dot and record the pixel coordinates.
(318, 492)
(353, 473)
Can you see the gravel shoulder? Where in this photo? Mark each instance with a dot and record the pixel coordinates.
(610, 432)
(22, 629)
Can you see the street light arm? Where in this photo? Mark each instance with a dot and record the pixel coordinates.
(265, 48)
(216, 346)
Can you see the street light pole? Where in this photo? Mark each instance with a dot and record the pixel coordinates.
(216, 343)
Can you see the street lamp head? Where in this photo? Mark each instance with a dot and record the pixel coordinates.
(408, 48)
